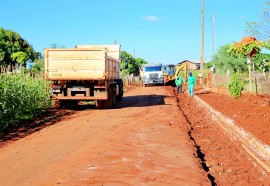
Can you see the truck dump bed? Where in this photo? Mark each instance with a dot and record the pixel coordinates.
(82, 63)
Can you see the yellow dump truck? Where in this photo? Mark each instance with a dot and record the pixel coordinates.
(84, 73)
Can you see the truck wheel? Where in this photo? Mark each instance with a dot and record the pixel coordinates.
(121, 91)
(56, 104)
(72, 104)
(113, 97)
(63, 104)
(108, 102)
(99, 104)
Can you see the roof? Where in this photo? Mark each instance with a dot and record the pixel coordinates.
(151, 65)
(191, 61)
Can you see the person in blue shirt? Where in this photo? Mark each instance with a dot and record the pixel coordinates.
(191, 81)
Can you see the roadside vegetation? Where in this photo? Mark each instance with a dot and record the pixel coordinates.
(23, 97)
(23, 92)
(234, 71)
(134, 64)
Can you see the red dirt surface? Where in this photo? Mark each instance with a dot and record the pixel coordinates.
(225, 158)
(151, 137)
(142, 141)
(251, 112)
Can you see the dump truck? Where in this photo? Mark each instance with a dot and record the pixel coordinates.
(84, 73)
(151, 74)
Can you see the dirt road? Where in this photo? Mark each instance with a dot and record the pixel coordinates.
(144, 140)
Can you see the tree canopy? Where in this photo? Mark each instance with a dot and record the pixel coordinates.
(133, 64)
(224, 61)
(248, 46)
(262, 62)
(14, 49)
(261, 28)
(251, 47)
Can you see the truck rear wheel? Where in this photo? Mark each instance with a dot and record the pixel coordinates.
(108, 102)
(56, 104)
(113, 96)
(99, 104)
(60, 104)
(120, 90)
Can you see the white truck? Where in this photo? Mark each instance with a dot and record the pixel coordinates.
(84, 73)
(151, 74)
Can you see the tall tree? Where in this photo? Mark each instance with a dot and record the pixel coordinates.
(225, 61)
(133, 64)
(14, 49)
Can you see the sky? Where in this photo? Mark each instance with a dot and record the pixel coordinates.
(158, 31)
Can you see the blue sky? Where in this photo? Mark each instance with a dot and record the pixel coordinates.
(159, 31)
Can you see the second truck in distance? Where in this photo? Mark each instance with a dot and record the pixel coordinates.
(151, 74)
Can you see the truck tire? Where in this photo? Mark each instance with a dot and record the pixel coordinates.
(72, 104)
(108, 103)
(66, 104)
(56, 104)
(99, 104)
(121, 91)
(113, 102)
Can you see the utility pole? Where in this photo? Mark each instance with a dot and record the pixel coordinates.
(213, 68)
(214, 33)
(202, 45)
(134, 54)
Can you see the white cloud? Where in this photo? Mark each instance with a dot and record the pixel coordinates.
(242, 18)
(151, 18)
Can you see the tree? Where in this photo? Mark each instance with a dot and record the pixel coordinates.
(133, 64)
(248, 46)
(262, 62)
(261, 29)
(224, 61)
(139, 62)
(14, 49)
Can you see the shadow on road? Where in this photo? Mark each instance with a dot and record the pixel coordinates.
(141, 101)
(52, 116)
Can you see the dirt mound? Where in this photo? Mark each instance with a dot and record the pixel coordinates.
(224, 158)
(251, 112)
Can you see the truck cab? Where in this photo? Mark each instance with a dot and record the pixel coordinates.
(152, 74)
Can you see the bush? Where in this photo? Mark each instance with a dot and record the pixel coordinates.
(21, 97)
(236, 86)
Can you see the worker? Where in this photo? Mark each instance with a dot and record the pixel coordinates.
(191, 81)
(179, 84)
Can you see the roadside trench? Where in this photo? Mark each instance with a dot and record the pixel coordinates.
(199, 152)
